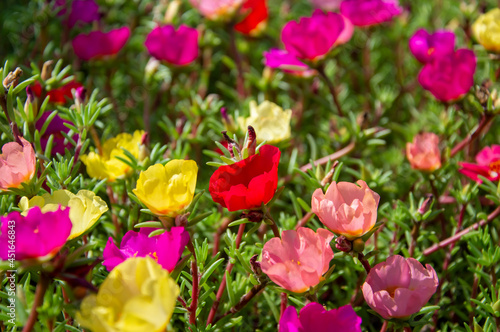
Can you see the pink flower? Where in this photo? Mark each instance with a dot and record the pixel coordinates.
(98, 44)
(425, 46)
(17, 164)
(370, 12)
(216, 9)
(398, 287)
(178, 47)
(326, 5)
(488, 165)
(346, 208)
(450, 76)
(312, 37)
(55, 128)
(287, 62)
(299, 259)
(346, 33)
(424, 153)
(85, 11)
(313, 317)
(166, 249)
(38, 235)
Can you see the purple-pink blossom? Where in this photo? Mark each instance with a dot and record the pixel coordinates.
(426, 46)
(312, 37)
(98, 44)
(450, 76)
(178, 47)
(55, 128)
(166, 249)
(370, 12)
(281, 59)
(38, 235)
(314, 317)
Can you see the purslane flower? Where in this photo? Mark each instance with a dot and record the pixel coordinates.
(17, 164)
(314, 317)
(399, 287)
(107, 165)
(167, 190)
(216, 9)
(450, 76)
(487, 165)
(166, 249)
(326, 5)
(55, 128)
(175, 46)
(281, 59)
(249, 183)
(299, 259)
(423, 154)
(60, 95)
(36, 236)
(426, 46)
(255, 14)
(137, 296)
(85, 208)
(98, 44)
(346, 209)
(312, 37)
(271, 122)
(486, 30)
(370, 12)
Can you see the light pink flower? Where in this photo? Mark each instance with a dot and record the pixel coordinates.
(424, 153)
(488, 165)
(216, 9)
(346, 208)
(299, 259)
(326, 5)
(312, 37)
(398, 287)
(178, 47)
(98, 44)
(17, 164)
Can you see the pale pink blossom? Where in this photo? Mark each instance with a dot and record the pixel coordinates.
(346, 209)
(399, 287)
(327, 5)
(216, 9)
(299, 259)
(17, 164)
(424, 153)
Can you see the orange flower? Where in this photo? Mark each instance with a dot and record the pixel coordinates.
(423, 153)
(17, 164)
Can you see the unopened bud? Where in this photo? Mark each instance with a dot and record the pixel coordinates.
(12, 78)
(328, 177)
(30, 100)
(255, 265)
(343, 244)
(358, 245)
(230, 144)
(252, 141)
(172, 11)
(425, 204)
(46, 70)
(143, 147)
(253, 216)
(182, 220)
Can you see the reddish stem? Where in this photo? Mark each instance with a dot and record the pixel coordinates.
(284, 303)
(194, 293)
(41, 288)
(485, 120)
(365, 262)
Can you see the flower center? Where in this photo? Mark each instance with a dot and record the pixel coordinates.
(494, 168)
(430, 50)
(391, 290)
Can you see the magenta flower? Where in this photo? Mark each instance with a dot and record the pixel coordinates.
(370, 12)
(98, 44)
(312, 37)
(399, 287)
(299, 259)
(425, 46)
(85, 11)
(166, 249)
(38, 235)
(178, 47)
(287, 62)
(450, 76)
(55, 128)
(488, 165)
(313, 317)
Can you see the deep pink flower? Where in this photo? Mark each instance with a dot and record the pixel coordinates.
(346, 33)
(287, 62)
(488, 165)
(449, 77)
(17, 164)
(312, 37)
(399, 287)
(313, 317)
(425, 46)
(370, 12)
(85, 11)
(166, 249)
(98, 44)
(299, 259)
(423, 153)
(38, 235)
(178, 47)
(55, 128)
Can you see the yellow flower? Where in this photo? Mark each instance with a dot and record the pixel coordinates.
(166, 190)
(271, 122)
(107, 165)
(137, 296)
(85, 207)
(486, 30)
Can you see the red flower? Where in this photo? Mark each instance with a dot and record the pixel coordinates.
(256, 17)
(59, 95)
(248, 183)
